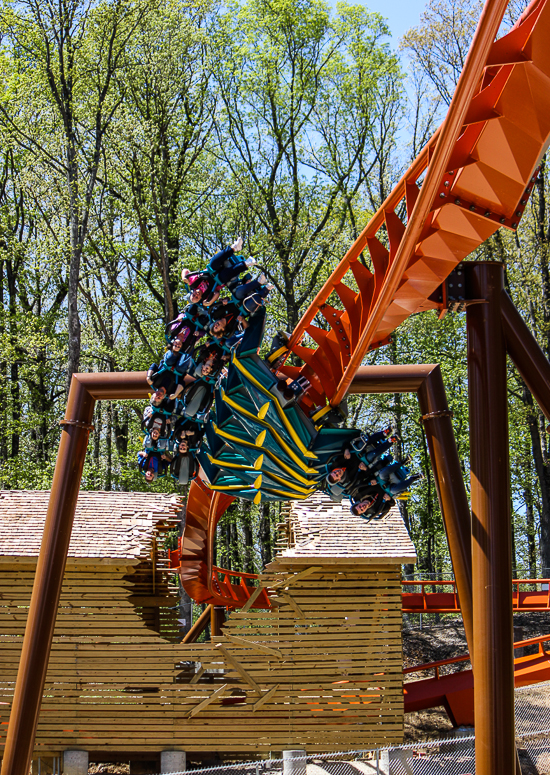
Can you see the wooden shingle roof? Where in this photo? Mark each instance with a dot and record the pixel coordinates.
(118, 525)
(323, 530)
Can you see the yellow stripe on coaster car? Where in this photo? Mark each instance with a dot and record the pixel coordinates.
(267, 474)
(260, 438)
(282, 443)
(321, 413)
(268, 452)
(224, 464)
(284, 419)
(277, 353)
(285, 494)
(305, 491)
(229, 487)
(263, 410)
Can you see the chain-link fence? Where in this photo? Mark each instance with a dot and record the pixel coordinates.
(532, 706)
(437, 757)
(453, 755)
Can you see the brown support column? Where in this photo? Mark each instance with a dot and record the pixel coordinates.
(526, 353)
(451, 492)
(47, 584)
(217, 620)
(531, 363)
(426, 380)
(35, 654)
(491, 531)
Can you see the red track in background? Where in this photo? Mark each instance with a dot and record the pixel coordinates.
(426, 601)
(234, 594)
(456, 690)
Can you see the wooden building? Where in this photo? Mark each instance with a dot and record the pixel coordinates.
(321, 669)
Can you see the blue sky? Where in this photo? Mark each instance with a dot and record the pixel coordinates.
(401, 14)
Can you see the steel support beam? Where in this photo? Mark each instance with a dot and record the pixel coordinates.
(85, 390)
(199, 627)
(526, 353)
(427, 382)
(491, 528)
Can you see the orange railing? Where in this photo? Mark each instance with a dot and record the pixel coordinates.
(541, 639)
(447, 602)
(235, 595)
(239, 592)
(429, 602)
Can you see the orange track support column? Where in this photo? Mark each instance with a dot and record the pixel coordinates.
(35, 654)
(493, 653)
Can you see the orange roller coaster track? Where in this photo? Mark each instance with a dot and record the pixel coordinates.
(479, 169)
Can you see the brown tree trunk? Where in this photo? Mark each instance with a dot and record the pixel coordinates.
(265, 539)
(530, 529)
(76, 239)
(227, 535)
(248, 555)
(109, 446)
(15, 390)
(97, 442)
(235, 553)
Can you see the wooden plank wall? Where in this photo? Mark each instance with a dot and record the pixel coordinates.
(322, 670)
(102, 599)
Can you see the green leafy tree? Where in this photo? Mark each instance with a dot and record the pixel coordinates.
(309, 108)
(158, 170)
(58, 103)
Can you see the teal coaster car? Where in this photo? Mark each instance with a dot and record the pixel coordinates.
(262, 446)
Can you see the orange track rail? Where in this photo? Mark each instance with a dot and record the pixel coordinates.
(485, 184)
(474, 175)
(203, 511)
(200, 578)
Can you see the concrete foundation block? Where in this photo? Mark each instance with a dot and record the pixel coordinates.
(384, 763)
(75, 762)
(294, 762)
(172, 761)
